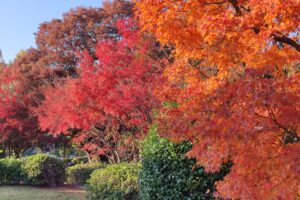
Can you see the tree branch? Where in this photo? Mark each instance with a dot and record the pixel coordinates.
(236, 7)
(272, 115)
(216, 3)
(286, 40)
(195, 64)
(262, 116)
(246, 9)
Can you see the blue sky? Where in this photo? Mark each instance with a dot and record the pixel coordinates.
(19, 19)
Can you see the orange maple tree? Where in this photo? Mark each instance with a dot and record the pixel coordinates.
(234, 89)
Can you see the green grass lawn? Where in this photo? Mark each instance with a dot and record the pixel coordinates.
(36, 193)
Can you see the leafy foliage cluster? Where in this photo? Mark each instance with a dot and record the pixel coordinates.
(235, 77)
(24, 82)
(80, 173)
(228, 72)
(39, 169)
(11, 171)
(118, 181)
(168, 174)
(111, 102)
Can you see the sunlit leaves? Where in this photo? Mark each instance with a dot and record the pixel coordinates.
(236, 99)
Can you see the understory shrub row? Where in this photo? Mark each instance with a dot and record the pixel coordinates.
(40, 169)
(164, 174)
(11, 171)
(80, 173)
(115, 182)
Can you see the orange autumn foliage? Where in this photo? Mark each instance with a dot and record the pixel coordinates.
(235, 81)
(227, 33)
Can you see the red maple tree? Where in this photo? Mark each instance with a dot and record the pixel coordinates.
(111, 101)
(18, 129)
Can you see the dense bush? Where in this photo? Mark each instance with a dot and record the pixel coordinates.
(118, 181)
(11, 171)
(39, 169)
(42, 169)
(168, 174)
(80, 173)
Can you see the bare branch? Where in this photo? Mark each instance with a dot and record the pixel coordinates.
(259, 115)
(272, 115)
(286, 40)
(195, 64)
(236, 6)
(216, 3)
(246, 9)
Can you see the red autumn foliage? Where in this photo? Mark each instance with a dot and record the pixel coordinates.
(79, 29)
(111, 99)
(18, 129)
(21, 85)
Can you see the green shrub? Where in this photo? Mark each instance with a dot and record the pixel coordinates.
(116, 182)
(79, 160)
(42, 169)
(168, 174)
(11, 171)
(67, 162)
(80, 173)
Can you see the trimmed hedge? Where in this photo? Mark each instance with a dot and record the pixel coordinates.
(80, 173)
(118, 181)
(42, 169)
(39, 169)
(168, 174)
(11, 171)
